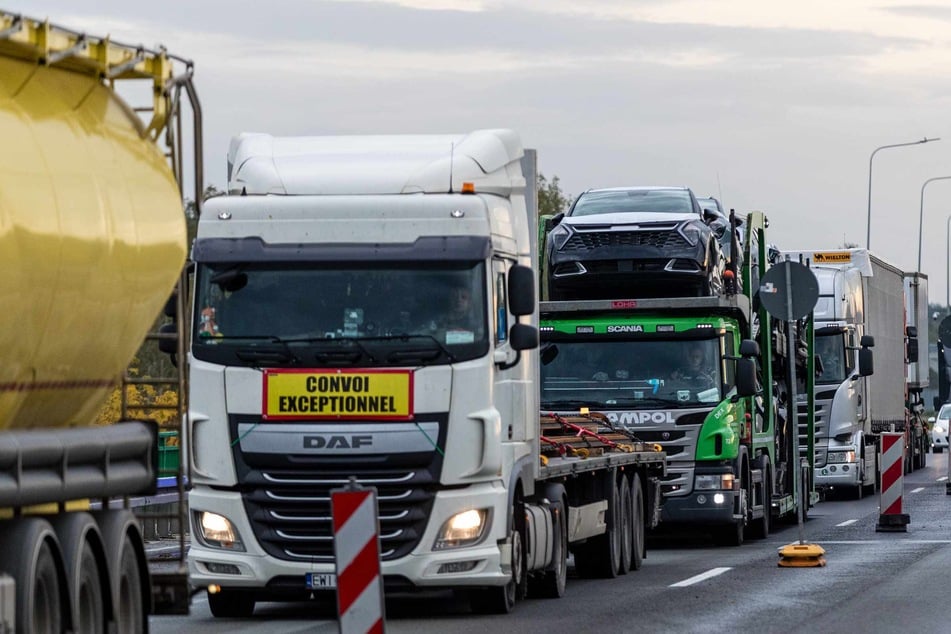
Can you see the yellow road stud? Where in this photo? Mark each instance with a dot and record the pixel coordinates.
(801, 556)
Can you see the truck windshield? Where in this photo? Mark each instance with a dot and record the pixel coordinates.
(331, 315)
(675, 373)
(831, 352)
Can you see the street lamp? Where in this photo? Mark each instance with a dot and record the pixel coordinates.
(868, 223)
(921, 213)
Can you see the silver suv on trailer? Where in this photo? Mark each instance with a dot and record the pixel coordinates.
(636, 241)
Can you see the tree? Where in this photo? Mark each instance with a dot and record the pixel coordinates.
(551, 200)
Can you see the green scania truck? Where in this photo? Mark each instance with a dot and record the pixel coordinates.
(731, 455)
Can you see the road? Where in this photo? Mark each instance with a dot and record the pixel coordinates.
(873, 582)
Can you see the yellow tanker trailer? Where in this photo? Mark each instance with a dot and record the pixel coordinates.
(92, 243)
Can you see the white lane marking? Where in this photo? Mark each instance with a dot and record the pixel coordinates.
(847, 523)
(885, 541)
(942, 479)
(701, 577)
(918, 490)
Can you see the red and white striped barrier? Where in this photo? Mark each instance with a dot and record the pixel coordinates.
(892, 461)
(357, 556)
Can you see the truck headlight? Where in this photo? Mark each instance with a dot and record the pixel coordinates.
(713, 482)
(462, 529)
(217, 531)
(841, 456)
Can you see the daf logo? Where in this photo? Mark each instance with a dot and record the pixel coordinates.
(665, 435)
(337, 442)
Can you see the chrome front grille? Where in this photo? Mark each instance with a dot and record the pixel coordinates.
(290, 512)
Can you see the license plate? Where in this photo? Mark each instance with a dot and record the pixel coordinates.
(320, 581)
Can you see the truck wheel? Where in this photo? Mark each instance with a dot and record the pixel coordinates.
(733, 534)
(128, 571)
(78, 536)
(600, 556)
(626, 525)
(229, 603)
(501, 599)
(760, 526)
(639, 549)
(31, 559)
(551, 584)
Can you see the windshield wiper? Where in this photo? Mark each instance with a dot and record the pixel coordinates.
(269, 355)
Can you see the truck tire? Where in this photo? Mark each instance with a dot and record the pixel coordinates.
(551, 583)
(32, 558)
(733, 534)
(639, 541)
(501, 599)
(759, 528)
(87, 578)
(128, 570)
(230, 603)
(626, 525)
(600, 556)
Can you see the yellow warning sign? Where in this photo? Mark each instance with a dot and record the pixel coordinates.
(832, 257)
(338, 394)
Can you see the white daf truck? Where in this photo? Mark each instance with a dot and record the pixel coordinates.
(365, 306)
(861, 313)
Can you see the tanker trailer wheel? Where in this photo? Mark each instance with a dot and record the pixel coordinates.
(501, 599)
(85, 570)
(128, 570)
(33, 559)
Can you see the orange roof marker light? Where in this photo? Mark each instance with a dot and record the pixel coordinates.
(468, 188)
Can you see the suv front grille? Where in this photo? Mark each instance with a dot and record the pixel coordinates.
(590, 240)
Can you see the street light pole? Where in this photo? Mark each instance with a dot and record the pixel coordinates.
(947, 269)
(921, 214)
(868, 224)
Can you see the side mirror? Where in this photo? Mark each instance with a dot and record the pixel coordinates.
(866, 367)
(521, 291)
(745, 377)
(867, 341)
(553, 221)
(911, 331)
(709, 215)
(912, 350)
(523, 337)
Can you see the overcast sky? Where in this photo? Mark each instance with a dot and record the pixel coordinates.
(770, 109)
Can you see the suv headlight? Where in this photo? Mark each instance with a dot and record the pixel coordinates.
(559, 236)
(938, 429)
(691, 231)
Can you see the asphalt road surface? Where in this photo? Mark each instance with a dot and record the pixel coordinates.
(873, 582)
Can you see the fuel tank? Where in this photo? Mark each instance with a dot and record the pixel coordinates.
(92, 240)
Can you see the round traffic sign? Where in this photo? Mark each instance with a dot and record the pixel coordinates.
(789, 290)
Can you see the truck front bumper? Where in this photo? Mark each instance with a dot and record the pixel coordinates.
(837, 475)
(478, 565)
(700, 507)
